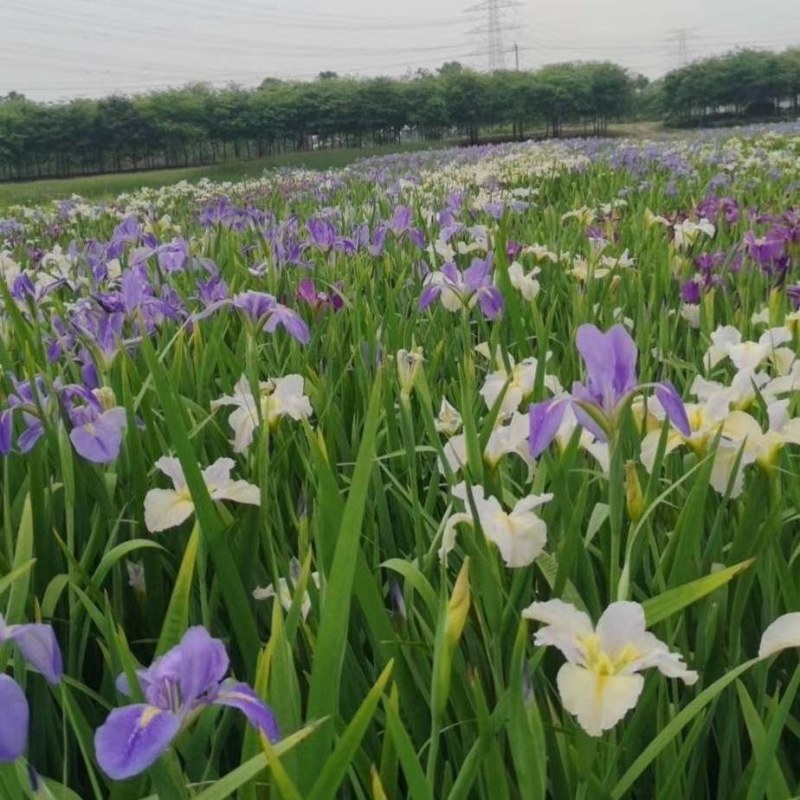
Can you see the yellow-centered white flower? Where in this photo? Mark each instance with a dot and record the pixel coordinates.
(167, 508)
(521, 381)
(600, 682)
(520, 535)
(278, 397)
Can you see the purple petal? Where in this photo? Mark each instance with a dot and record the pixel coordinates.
(14, 720)
(672, 403)
(587, 420)
(287, 319)
(491, 302)
(39, 647)
(132, 739)
(477, 274)
(99, 441)
(451, 273)
(6, 430)
(429, 294)
(258, 713)
(28, 438)
(203, 664)
(545, 420)
(610, 360)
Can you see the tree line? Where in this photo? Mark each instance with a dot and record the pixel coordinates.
(745, 84)
(201, 125)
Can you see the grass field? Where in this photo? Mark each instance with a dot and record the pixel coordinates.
(97, 187)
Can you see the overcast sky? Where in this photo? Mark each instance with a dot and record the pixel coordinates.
(59, 49)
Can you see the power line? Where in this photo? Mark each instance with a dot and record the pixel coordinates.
(493, 29)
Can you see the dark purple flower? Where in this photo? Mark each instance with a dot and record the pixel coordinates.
(766, 250)
(690, 292)
(183, 681)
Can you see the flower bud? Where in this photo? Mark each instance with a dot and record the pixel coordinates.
(458, 607)
(409, 363)
(633, 492)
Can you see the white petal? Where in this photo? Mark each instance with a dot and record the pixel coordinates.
(621, 624)
(243, 422)
(782, 633)
(521, 540)
(218, 473)
(171, 467)
(598, 701)
(166, 508)
(565, 625)
(239, 492)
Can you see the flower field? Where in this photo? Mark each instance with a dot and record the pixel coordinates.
(456, 474)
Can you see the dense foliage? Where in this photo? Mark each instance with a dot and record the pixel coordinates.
(201, 125)
(739, 85)
(361, 458)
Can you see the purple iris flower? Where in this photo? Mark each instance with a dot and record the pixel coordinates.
(690, 292)
(172, 256)
(261, 307)
(766, 250)
(212, 290)
(97, 431)
(26, 398)
(176, 686)
(307, 292)
(400, 226)
(40, 650)
(611, 380)
(462, 290)
(322, 233)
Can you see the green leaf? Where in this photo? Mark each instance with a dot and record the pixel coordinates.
(176, 619)
(335, 616)
(327, 784)
(670, 602)
(674, 727)
(237, 778)
(23, 554)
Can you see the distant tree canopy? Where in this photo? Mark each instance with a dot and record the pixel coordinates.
(742, 84)
(199, 124)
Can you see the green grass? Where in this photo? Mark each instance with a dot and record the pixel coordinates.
(99, 187)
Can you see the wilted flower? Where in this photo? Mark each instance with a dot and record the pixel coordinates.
(167, 508)
(285, 593)
(409, 363)
(600, 681)
(176, 687)
(449, 420)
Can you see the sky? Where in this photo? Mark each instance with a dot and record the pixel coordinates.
(60, 49)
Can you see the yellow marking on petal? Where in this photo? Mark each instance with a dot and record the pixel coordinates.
(148, 715)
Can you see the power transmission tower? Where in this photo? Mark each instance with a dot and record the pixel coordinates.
(493, 29)
(679, 38)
